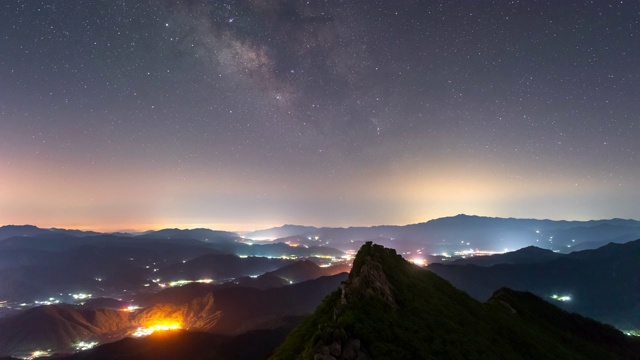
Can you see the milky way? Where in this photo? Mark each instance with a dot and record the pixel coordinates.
(241, 114)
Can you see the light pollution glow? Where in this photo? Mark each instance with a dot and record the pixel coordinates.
(116, 199)
(168, 115)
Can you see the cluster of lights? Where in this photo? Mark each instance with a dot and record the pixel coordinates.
(37, 354)
(185, 282)
(81, 296)
(51, 301)
(472, 252)
(419, 261)
(563, 298)
(82, 345)
(285, 257)
(131, 308)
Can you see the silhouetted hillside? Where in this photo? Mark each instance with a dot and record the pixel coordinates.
(58, 327)
(454, 233)
(390, 309)
(205, 235)
(220, 267)
(181, 345)
(307, 270)
(602, 283)
(527, 255)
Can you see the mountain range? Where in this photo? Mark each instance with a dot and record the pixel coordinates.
(262, 284)
(601, 283)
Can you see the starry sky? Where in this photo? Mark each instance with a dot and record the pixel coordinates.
(237, 115)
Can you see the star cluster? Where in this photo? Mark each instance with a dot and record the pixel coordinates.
(239, 114)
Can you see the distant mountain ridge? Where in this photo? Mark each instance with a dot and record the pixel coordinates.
(9, 231)
(528, 255)
(602, 283)
(468, 231)
(438, 235)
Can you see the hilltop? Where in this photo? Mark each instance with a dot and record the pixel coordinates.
(389, 308)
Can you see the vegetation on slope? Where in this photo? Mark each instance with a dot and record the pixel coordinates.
(391, 309)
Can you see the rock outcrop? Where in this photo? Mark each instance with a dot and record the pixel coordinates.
(391, 309)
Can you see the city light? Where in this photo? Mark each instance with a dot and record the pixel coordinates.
(185, 282)
(48, 302)
(82, 345)
(131, 308)
(563, 298)
(80, 296)
(37, 354)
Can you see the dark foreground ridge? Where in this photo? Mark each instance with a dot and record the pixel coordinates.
(391, 309)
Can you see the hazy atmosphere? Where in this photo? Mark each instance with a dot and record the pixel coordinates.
(236, 115)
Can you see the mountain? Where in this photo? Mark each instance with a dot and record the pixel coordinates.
(600, 283)
(219, 267)
(243, 309)
(391, 309)
(463, 232)
(179, 345)
(527, 255)
(299, 271)
(206, 235)
(58, 327)
(9, 231)
(196, 307)
(82, 269)
(279, 249)
(280, 232)
(307, 270)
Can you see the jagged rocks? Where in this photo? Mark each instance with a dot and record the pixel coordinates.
(368, 279)
(335, 344)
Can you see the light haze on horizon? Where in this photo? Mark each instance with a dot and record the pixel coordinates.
(245, 115)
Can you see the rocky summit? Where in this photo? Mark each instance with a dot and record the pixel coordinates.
(389, 308)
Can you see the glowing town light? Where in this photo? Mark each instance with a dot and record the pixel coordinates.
(82, 345)
(131, 308)
(38, 353)
(563, 298)
(140, 332)
(48, 302)
(419, 261)
(185, 282)
(80, 296)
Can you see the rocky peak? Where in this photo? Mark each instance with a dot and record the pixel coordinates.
(367, 278)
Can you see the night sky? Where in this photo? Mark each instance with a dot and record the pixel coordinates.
(132, 115)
